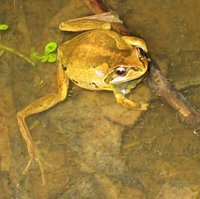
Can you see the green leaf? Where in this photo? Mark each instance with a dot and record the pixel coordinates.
(44, 58)
(52, 58)
(50, 47)
(48, 55)
(3, 26)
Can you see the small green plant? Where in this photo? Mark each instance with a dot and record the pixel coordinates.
(3, 47)
(3, 27)
(48, 56)
(49, 53)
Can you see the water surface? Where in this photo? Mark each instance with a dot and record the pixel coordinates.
(92, 147)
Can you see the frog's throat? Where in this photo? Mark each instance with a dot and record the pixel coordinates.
(126, 87)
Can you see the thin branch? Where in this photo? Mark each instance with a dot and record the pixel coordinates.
(156, 81)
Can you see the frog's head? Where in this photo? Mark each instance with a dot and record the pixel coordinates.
(131, 68)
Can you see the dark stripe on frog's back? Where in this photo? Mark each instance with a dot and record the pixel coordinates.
(96, 47)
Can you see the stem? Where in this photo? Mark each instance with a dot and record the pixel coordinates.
(189, 113)
(4, 47)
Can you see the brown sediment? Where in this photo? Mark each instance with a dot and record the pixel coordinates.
(156, 81)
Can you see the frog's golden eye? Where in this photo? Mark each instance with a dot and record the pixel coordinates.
(121, 71)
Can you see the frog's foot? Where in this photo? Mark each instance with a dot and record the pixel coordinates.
(144, 106)
(40, 165)
(35, 157)
(121, 99)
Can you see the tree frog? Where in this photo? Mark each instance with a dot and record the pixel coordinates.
(96, 59)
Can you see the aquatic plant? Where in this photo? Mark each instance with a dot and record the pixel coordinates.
(3, 26)
(49, 53)
(48, 56)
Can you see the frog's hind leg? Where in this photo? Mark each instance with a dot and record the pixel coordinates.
(38, 106)
(98, 21)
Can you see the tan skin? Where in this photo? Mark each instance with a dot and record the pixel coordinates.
(98, 59)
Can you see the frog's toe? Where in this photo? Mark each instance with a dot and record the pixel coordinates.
(144, 106)
(37, 158)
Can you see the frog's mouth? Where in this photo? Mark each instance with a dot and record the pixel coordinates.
(124, 74)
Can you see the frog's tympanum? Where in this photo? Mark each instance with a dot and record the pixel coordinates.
(96, 59)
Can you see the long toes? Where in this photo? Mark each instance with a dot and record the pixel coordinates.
(144, 107)
(38, 161)
(41, 171)
(28, 166)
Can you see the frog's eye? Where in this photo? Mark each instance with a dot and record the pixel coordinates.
(121, 71)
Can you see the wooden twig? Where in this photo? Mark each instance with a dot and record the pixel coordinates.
(174, 98)
(156, 81)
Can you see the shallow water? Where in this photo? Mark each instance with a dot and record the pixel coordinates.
(93, 147)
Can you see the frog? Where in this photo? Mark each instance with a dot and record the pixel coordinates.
(96, 59)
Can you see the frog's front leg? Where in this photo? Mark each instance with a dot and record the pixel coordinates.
(38, 106)
(121, 99)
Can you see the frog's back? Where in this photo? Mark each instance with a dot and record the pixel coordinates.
(89, 56)
(93, 48)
